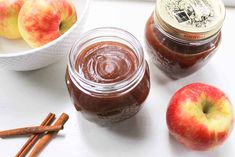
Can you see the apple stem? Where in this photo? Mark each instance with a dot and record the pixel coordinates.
(60, 25)
(206, 106)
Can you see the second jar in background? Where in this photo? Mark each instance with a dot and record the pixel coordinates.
(182, 35)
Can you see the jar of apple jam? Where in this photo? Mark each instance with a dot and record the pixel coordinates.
(107, 75)
(182, 35)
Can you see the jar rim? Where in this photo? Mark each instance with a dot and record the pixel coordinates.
(106, 32)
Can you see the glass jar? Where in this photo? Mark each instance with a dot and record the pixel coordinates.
(107, 76)
(182, 35)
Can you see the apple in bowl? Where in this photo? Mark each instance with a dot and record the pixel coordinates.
(17, 55)
(9, 10)
(200, 116)
(42, 21)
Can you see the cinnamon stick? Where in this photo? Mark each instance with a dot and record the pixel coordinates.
(29, 130)
(47, 137)
(33, 138)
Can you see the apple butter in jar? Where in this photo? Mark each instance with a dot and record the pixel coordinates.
(107, 75)
(182, 35)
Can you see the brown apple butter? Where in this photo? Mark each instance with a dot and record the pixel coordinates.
(109, 80)
(174, 58)
(107, 62)
(181, 36)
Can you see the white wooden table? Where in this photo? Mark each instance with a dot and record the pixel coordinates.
(27, 97)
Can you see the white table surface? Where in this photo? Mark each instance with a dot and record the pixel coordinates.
(27, 97)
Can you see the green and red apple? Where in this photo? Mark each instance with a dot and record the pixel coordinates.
(9, 10)
(41, 21)
(200, 116)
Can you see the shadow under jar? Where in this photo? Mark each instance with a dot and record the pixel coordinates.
(107, 76)
(182, 35)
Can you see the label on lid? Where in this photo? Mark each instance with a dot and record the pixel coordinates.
(190, 19)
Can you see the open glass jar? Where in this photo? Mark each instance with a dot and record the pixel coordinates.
(182, 35)
(107, 76)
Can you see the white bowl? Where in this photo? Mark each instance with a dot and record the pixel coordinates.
(17, 55)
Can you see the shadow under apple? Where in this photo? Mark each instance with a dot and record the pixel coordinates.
(182, 151)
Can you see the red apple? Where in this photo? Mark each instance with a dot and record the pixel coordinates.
(9, 10)
(200, 116)
(41, 21)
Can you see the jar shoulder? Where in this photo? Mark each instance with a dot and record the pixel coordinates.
(157, 38)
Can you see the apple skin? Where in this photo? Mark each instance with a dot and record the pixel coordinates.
(42, 21)
(9, 10)
(200, 116)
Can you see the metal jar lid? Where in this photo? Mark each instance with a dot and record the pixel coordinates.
(190, 19)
